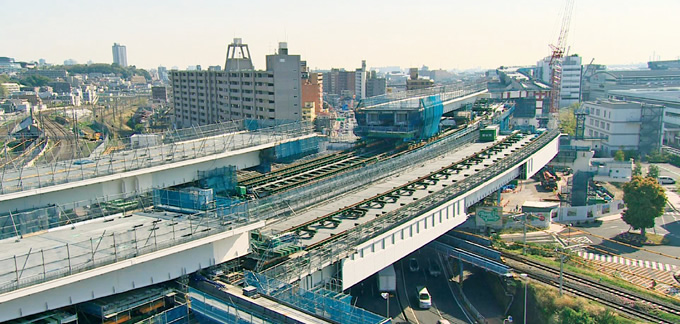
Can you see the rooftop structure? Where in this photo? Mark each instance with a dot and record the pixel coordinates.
(664, 65)
(238, 57)
(410, 115)
(601, 82)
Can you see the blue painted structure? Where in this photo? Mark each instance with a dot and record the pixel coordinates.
(320, 302)
(409, 119)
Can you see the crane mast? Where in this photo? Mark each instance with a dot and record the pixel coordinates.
(558, 51)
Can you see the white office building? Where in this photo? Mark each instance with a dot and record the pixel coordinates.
(570, 89)
(360, 76)
(622, 125)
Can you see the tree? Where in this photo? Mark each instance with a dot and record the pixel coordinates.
(568, 120)
(645, 200)
(607, 317)
(619, 156)
(569, 316)
(637, 170)
(3, 91)
(33, 80)
(653, 172)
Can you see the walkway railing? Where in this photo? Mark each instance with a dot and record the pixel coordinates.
(175, 146)
(412, 98)
(340, 248)
(36, 266)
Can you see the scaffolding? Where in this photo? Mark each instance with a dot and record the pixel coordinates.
(651, 129)
(136, 305)
(20, 223)
(315, 302)
(37, 266)
(26, 269)
(411, 98)
(175, 146)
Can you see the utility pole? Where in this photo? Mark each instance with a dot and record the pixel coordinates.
(524, 245)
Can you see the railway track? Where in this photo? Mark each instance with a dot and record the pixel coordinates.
(64, 141)
(293, 169)
(622, 301)
(330, 165)
(359, 209)
(326, 166)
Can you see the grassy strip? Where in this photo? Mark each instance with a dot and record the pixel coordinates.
(552, 305)
(592, 274)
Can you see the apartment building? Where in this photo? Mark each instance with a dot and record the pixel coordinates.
(239, 91)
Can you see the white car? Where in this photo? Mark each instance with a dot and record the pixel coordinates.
(666, 180)
(424, 298)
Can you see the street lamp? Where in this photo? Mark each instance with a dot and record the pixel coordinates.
(525, 278)
(386, 296)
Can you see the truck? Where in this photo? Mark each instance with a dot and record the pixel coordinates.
(387, 279)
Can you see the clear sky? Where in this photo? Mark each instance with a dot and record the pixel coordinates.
(438, 33)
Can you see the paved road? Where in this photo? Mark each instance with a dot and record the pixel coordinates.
(404, 306)
(444, 302)
(667, 225)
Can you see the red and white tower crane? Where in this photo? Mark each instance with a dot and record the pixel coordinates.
(558, 52)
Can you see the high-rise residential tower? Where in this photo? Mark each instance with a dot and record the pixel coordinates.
(119, 54)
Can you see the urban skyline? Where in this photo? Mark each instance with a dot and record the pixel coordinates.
(445, 34)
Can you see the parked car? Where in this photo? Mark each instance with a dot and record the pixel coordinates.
(83, 161)
(413, 265)
(666, 180)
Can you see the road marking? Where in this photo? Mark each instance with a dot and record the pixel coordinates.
(408, 300)
(448, 284)
(669, 170)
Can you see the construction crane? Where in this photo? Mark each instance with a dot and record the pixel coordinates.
(558, 51)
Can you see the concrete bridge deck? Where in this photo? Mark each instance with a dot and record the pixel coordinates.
(386, 237)
(402, 178)
(134, 171)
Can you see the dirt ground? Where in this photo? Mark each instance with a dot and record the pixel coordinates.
(527, 190)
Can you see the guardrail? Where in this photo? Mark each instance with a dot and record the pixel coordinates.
(42, 265)
(413, 96)
(41, 176)
(345, 245)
